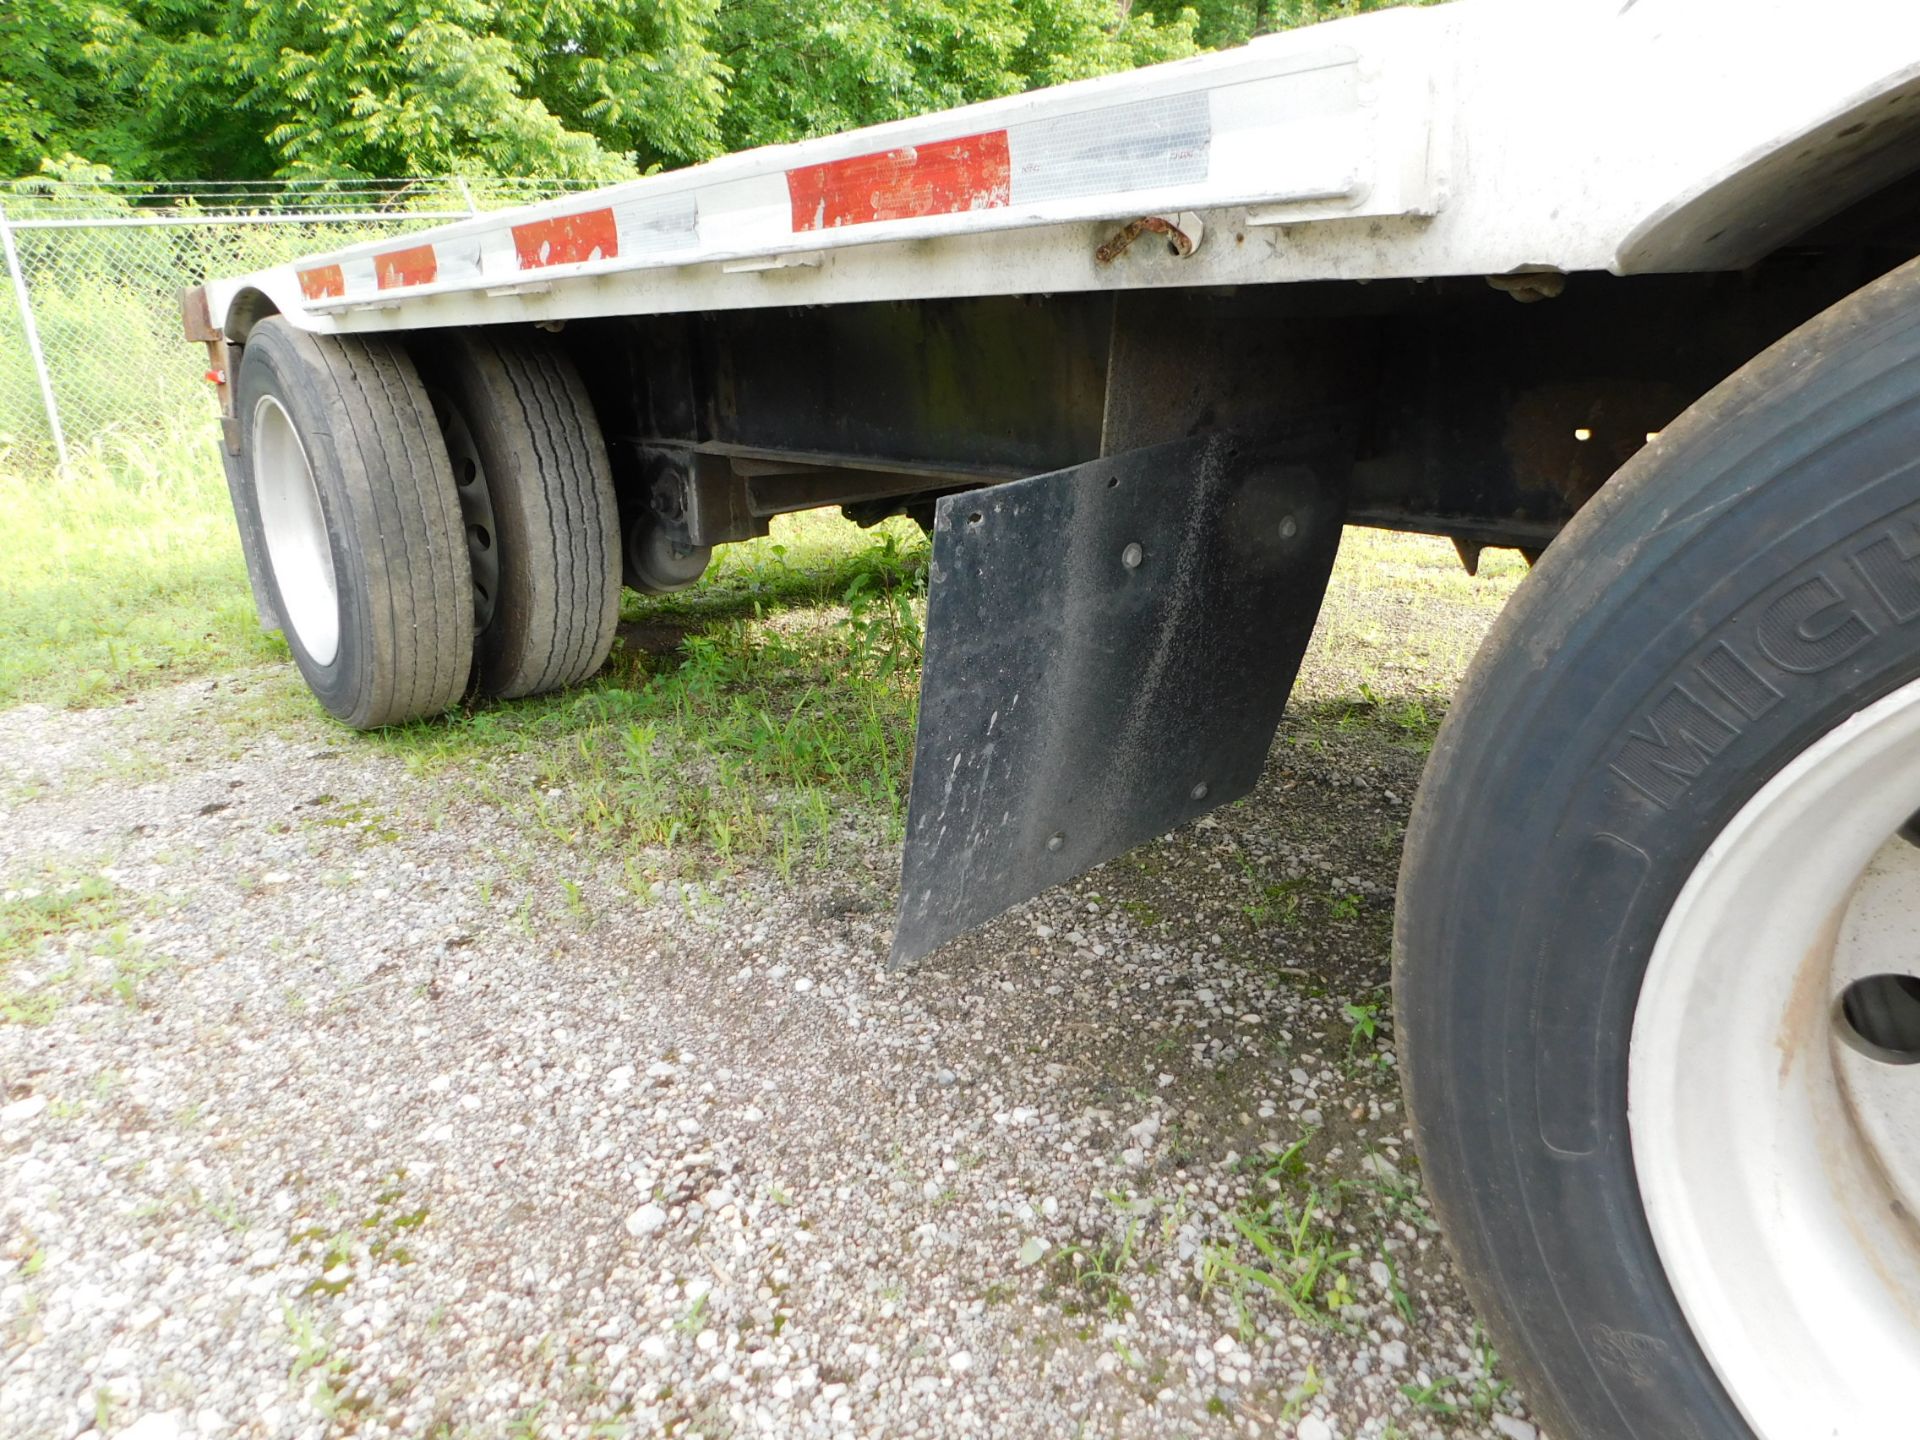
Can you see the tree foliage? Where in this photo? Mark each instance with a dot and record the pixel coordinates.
(592, 89)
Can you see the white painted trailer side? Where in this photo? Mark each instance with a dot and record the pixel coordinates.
(1485, 137)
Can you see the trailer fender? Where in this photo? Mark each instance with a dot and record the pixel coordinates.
(1783, 186)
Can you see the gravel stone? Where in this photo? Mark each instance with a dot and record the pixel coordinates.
(647, 1219)
(360, 1121)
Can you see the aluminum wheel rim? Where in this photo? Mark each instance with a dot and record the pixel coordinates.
(1777, 1146)
(296, 532)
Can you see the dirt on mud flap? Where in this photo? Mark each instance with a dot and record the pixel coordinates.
(1109, 649)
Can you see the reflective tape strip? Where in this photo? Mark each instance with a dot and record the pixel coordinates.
(1144, 145)
(413, 266)
(738, 217)
(567, 239)
(458, 259)
(323, 282)
(1267, 140)
(358, 270)
(649, 225)
(941, 177)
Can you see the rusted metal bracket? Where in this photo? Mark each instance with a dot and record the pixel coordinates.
(223, 362)
(1183, 232)
(197, 321)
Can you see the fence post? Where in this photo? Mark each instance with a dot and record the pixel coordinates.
(466, 194)
(32, 333)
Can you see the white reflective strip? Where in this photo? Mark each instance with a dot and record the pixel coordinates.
(648, 225)
(1143, 145)
(497, 255)
(458, 259)
(357, 271)
(746, 215)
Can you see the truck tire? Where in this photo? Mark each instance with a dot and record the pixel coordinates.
(1656, 938)
(354, 501)
(536, 490)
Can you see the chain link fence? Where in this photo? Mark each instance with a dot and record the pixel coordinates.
(90, 335)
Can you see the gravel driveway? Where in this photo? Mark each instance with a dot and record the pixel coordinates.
(338, 1099)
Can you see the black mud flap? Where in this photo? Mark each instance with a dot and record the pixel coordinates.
(1108, 652)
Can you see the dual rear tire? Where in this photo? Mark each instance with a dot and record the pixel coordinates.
(426, 532)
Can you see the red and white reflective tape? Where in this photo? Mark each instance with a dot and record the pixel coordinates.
(943, 177)
(1140, 145)
(635, 226)
(1275, 137)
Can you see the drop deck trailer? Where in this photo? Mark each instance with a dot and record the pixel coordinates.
(1624, 277)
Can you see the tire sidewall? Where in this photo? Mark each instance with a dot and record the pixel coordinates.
(274, 363)
(469, 374)
(1547, 851)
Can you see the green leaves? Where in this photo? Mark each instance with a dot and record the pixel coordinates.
(812, 67)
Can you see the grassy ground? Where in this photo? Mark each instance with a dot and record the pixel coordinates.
(122, 573)
(750, 716)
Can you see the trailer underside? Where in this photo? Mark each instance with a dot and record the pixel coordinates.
(1469, 415)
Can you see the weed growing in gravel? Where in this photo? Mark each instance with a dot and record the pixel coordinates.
(1364, 1043)
(130, 968)
(526, 1425)
(33, 1007)
(59, 899)
(1274, 903)
(345, 1254)
(1477, 1391)
(1095, 1274)
(1411, 720)
(691, 1322)
(1296, 1259)
(319, 1371)
(1297, 1242)
(54, 899)
(1300, 1395)
(356, 818)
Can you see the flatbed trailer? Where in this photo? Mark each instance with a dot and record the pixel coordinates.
(1619, 283)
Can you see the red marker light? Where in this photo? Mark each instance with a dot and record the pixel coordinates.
(216, 377)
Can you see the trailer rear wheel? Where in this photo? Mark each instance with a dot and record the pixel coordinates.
(1655, 953)
(536, 490)
(355, 504)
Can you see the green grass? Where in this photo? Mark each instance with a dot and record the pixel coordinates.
(55, 898)
(52, 900)
(123, 572)
(763, 714)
